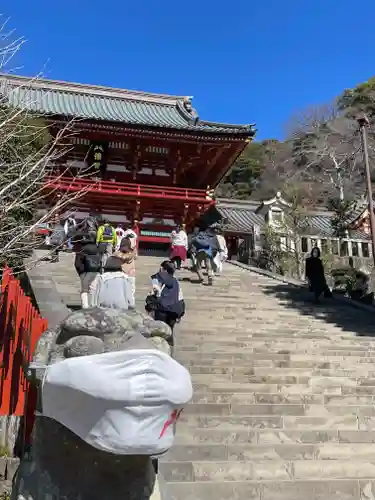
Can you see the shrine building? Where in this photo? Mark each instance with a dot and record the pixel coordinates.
(148, 159)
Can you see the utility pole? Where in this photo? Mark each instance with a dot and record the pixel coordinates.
(363, 123)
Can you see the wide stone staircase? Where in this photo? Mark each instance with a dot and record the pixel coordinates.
(283, 407)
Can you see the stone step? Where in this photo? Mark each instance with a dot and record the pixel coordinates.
(333, 388)
(280, 398)
(277, 470)
(248, 452)
(242, 372)
(345, 489)
(244, 422)
(266, 436)
(215, 366)
(239, 358)
(331, 378)
(309, 410)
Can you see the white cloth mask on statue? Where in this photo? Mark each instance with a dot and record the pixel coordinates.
(124, 402)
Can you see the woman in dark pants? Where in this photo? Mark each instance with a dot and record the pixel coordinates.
(315, 275)
(166, 301)
(167, 318)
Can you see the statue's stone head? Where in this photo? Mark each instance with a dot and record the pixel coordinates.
(99, 330)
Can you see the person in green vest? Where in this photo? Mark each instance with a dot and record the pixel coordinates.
(106, 239)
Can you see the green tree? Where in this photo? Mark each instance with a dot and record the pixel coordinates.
(282, 250)
(244, 174)
(360, 99)
(295, 225)
(343, 215)
(344, 211)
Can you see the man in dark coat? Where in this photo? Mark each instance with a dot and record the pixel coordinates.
(191, 249)
(57, 240)
(88, 264)
(89, 226)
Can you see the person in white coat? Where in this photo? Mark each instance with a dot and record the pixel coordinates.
(69, 228)
(120, 233)
(132, 235)
(222, 254)
(179, 246)
(113, 288)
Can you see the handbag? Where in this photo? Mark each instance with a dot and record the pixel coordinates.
(152, 303)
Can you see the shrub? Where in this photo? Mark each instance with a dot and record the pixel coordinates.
(350, 280)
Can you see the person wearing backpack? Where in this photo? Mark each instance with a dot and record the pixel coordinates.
(88, 264)
(69, 228)
(57, 239)
(166, 300)
(206, 247)
(106, 239)
(89, 225)
(127, 255)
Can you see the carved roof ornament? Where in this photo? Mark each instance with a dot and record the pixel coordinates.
(277, 201)
(189, 108)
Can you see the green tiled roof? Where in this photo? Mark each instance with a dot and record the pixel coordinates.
(107, 104)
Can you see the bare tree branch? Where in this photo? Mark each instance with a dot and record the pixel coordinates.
(29, 156)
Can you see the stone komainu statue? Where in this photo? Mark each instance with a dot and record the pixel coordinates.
(60, 465)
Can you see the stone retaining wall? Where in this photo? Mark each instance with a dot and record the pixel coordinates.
(8, 469)
(48, 300)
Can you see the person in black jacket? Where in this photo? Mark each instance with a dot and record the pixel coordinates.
(191, 249)
(57, 239)
(89, 226)
(315, 274)
(88, 264)
(166, 301)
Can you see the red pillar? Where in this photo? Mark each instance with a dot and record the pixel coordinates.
(136, 230)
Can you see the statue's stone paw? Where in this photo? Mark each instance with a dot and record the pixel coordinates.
(160, 329)
(161, 344)
(84, 345)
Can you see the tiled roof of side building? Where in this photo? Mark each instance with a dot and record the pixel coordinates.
(321, 226)
(108, 104)
(239, 219)
(241, 216)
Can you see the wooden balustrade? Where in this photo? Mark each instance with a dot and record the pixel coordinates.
(74, 184)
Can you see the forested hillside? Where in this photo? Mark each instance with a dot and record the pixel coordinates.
(321, 155)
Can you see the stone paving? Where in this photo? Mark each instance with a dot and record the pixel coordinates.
(283, 407)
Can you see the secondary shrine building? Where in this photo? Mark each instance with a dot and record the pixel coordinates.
(148, 159)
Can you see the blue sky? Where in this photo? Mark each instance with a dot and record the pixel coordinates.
(243, 61)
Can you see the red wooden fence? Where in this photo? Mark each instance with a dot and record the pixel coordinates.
(20, 328)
